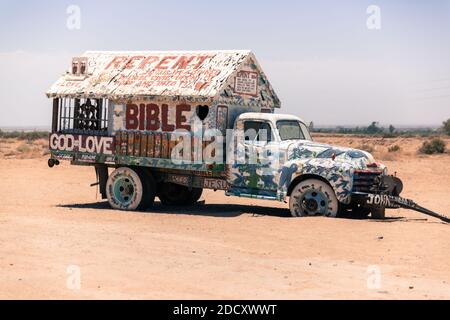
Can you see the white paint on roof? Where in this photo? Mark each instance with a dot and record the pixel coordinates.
(193, 75)
(273, 117)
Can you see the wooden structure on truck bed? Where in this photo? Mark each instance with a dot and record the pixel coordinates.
(124, 108)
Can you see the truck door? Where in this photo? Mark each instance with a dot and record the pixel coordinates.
(254, 171)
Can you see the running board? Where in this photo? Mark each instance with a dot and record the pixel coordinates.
(250, 195)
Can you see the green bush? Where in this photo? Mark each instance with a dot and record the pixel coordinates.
(434, 146)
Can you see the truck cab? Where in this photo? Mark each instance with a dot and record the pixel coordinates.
(277, 158)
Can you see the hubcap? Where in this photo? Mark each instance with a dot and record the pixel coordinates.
(123, 190)
(314, 202)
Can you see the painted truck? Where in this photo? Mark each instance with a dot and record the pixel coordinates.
(171, 124)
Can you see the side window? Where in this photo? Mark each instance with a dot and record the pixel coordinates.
(257, 131)
(265, 133)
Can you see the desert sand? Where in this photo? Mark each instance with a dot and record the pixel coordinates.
(52, 223)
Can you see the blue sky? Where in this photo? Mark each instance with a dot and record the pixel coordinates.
(323, 61)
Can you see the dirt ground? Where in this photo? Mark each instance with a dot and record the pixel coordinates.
(55, 233)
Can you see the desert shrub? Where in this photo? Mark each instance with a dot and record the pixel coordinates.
(366, 147)
(434, 146)
(23, 148)
(394, 148)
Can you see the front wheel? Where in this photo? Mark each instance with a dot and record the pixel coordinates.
(313, 197)
(378, 213)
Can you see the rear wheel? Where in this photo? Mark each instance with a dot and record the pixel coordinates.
(149, 189)
(130, 189)
(172, 194)
(313, 197)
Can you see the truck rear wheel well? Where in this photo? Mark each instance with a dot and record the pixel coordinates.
(304, 177)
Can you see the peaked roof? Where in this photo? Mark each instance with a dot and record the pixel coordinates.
(196, 75)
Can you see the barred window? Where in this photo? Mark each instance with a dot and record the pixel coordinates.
(83, 116)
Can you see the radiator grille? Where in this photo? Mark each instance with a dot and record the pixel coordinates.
(366, 181)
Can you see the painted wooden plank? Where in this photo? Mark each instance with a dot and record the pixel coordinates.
(157, 150)
(151, 145)
(144, 138)
(137, 144)
(130, 144)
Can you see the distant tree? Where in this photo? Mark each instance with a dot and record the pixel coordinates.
(446, 126)
(391, 129)
(311, 126)
(373, 128)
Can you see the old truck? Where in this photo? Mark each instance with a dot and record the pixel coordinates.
(170, 124)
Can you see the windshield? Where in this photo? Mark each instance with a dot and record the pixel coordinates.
(292, 130)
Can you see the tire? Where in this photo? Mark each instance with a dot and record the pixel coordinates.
(361, 213)
(355, 211)
(378, 213)
(129, 189)
(313, 197)
(172, 194)
(150, 188)
(196, 193)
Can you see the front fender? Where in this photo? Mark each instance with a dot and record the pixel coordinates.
(338, 174)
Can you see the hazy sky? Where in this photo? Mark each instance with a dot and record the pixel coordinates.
(324, 62)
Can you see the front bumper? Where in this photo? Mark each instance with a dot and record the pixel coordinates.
(376, 189)
(374, 200)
